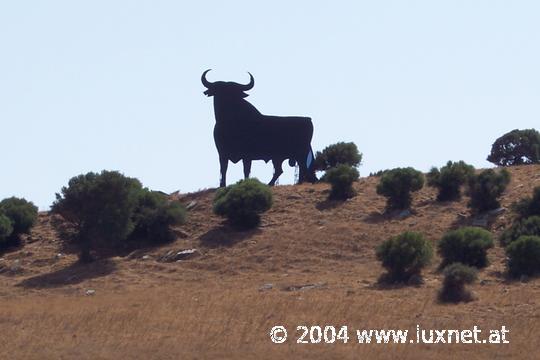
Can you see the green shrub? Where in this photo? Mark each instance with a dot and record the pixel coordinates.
(339, 153)
(397, 185)
(528, 226)
(485, 189)
(243, 202)
(110, 210)
(100, 207)
(529, 206)
(155, 214)
(449, 179)
(456, 276)
(515, 148)
(467, 245)
(22, 213)
(524, 256)
(341, 178)
(6, 229)
(404, 255)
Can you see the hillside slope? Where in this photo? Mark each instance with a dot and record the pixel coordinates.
(225, 298)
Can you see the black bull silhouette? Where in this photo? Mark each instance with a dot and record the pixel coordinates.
(243, 133)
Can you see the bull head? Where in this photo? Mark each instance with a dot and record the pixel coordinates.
(226, 88)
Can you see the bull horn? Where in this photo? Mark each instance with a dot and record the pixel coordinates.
(250, 85)
(205, 82)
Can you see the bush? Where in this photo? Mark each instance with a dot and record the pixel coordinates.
(101, 207)
(404, 255)
(341, 178)
(524, 256)
(111, 210)
(485, 189)
(456, 276)
(516, 148)
(6, 229)
(467, 245)
(449, 179)
(22, 213)
(529, 206)
(340, 153)
(528, 226)
(154, 216)
(397, 185)
(243, 202)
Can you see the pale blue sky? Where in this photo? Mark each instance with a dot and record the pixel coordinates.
(93, 85)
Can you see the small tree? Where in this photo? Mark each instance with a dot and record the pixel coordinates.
(529, 226)
(398, 184)
(341, 178)
(154, 216)
(100, 207)
(404, 255)
(529, 206)
(485, 189)
(467, 245)
(23, 214)
(339, 153)
(6, 229)
(243, 202)
(524, 256)
(449, 179)
(456, 276)
(516, 148)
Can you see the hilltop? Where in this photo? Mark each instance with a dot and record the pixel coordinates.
(312, 261)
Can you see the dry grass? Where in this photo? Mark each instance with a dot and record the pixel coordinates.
(232, 323)
(211, 306)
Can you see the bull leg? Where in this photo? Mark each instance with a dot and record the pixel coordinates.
(223, 163)
(307, 174)
(277, 171)
(302, 177)
(247, 168)
(303, 171)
